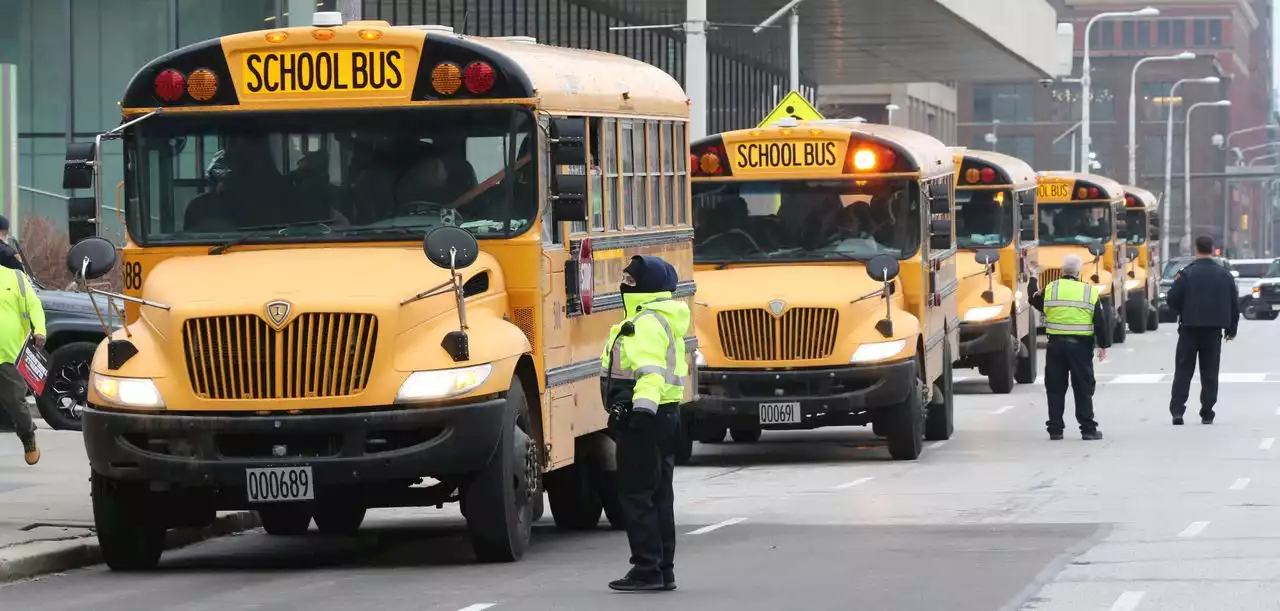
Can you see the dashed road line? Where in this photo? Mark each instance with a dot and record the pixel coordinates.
(1128, 601)
(1138, 378)
(1002, 410)
(1267, 443)
(706, 529)
(1193, 529)
(856, 482)
(1240, 483)
(479, 607)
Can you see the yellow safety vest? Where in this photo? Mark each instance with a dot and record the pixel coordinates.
(653, 356)
(1068, 307)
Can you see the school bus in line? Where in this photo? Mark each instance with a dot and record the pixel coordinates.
(1142, 266)
(1079, 214)
(288, 347)
(826, 267)
(995, 231)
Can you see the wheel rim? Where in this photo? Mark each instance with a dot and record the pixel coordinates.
(70, 389)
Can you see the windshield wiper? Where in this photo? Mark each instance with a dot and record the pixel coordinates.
(257, 232)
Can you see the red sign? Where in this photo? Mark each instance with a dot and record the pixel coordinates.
(33, 366)
(586, 275)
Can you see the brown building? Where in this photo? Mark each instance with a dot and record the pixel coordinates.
(1038, 122)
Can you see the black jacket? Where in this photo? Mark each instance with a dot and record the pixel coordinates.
(1204, 295)
(1101, 318)
(9, 257)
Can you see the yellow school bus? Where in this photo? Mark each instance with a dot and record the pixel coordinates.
(1078, 214)
(1141, 269)
(826, 268)
(288, 347)
(995, 231)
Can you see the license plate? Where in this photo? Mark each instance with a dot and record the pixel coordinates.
(276, 484)
(780, 413)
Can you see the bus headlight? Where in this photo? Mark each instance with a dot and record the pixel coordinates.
(442, 383)
(698, 359)
(128, 392)
(983, 313)
(1132, 284)
(878, 351)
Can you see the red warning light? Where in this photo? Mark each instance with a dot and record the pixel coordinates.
(988, 175)
(170, 85)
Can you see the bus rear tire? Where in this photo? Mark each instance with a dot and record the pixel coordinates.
(940, 422)
(1003, 367)
(576, 502)
(906, 424)
(1153, 318)
(129, 523)
(1027, 365)
(1118, 328)
(1138, 319)
(499, 505)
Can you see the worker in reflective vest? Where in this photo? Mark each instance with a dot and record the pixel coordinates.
(644, 363)
(1075, 322)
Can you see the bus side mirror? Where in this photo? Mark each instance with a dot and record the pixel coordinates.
(78, 171)
(882, 268)
(91, 258)
(1097, 249)
(1028, 230)
(1153, 234)
(452, 248)
(987, 256)
(940, 234)
(1132, 253)
(569, 178)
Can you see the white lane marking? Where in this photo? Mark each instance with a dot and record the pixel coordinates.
(1233, 378)
(1278, 411)
(1003, 409)
(1040, 380)
(1267, 443)
(706, 529)
(938, 444)
(1128, 601)
(1138, 378)
(479, 607)
(856, 482)
(1193, 529)
(1241, 483)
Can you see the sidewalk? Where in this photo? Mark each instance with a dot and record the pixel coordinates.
(46, 515)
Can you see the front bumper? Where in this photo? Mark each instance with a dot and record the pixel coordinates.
(347, 447)
(984, 337)
(831, 396)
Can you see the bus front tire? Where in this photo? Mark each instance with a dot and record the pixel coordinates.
(339, 517)
(1002, 368)
(129, 522)
(1153, 318)
(498, 503)
(1118, 328)
(285, 519)
(1027, 372)
(940, 423)
(1138, 319)
(576, 501)
(906, 425)
(745, 435)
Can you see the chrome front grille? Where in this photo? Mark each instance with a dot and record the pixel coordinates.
(757, 335)
(315, 355)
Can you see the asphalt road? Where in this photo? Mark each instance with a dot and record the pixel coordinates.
(1152, 517)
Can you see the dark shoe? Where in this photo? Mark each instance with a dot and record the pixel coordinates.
(1177, 420)
(668, 581)
(1055, 435)
(631, 584)
(30, 449)
(1207, 418)
(1091, 435)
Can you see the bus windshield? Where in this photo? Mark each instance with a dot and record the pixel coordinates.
(982, 219)
(805, 220)
(1135, 226)
(330, 176)
(1077, 224)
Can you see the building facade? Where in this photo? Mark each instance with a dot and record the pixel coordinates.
(1039, 121)
(924, 107)
(74, 58)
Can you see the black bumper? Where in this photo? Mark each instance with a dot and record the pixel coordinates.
(392, 443)
(827, 396)
(984, 337)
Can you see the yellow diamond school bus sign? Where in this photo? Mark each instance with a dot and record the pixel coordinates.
(792, 106)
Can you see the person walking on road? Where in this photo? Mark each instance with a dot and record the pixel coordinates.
(1204, 297)
(21, 315)
(1075, 322)
(644, 362)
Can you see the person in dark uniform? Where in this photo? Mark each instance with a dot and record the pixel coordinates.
(1204, 298)
(1075, 322)
(8, 255)
(644, 363)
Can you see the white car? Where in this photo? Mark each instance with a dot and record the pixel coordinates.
(1258, 281)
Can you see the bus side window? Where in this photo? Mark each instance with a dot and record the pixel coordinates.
(551, 233)
(682, 173)
(611, 194)
(627, 150)
(596, 172)
(654, 173)
(668, 172)
(639, 192)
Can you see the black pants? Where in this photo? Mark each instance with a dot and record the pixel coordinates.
(1069, 358)
(1193, 342)
(646, 467)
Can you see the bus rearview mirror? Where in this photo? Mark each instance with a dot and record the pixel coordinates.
(882, 268)
(78, 171)
(1028, 230)
(91, 258)
(568, 197)
(451, 247)
(568, 141)
(1097, 249)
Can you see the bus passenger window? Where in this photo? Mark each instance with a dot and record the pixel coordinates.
(655, 175)
(682, 173)
(639, 198)
(611, 194)
(628, 173)
(668, 176)
(597, 174)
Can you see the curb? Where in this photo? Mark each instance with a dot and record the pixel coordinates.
(28, 560)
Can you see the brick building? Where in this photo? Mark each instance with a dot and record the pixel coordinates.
(1232, 41)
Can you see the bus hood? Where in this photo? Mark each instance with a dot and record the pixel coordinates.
(329, 280)
(973, 282)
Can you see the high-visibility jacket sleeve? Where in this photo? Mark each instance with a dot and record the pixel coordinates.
(646, 354)
(34, 308)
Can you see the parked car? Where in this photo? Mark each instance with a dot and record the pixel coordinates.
(1171, 269)
(1252, 305)
(1264, 295)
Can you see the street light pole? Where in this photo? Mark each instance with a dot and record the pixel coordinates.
(1186, 172)
(890, 108)
(1168, 162)
(793, 24)
(1086, 80)
(1133, 107)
